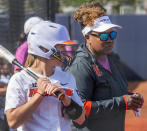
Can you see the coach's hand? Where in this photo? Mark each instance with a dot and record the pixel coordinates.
(134, 101)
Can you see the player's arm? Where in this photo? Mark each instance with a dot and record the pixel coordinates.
(17, 110)
(17, 116)
(73, 110)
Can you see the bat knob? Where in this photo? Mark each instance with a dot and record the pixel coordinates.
(60, 95)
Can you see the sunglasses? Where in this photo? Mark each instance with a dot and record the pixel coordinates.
(105, 36)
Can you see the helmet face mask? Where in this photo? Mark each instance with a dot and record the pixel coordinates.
(61, 56)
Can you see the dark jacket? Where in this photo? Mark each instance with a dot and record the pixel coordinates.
(101, 91)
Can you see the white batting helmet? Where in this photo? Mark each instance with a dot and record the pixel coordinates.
(46, 35)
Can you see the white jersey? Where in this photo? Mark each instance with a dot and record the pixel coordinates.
(48, 116)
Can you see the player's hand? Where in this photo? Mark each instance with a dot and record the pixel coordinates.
(42, 84)
(52, 88)
(134, 101)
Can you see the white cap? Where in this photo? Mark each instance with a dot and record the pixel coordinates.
(101, 24)
(30, 23)
(47, 34)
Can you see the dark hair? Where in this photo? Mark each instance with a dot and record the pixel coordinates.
(88, 12)
(22, 38)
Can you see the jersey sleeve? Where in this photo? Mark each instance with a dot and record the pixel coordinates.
(15, 95)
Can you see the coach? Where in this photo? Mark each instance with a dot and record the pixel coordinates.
(100, 81)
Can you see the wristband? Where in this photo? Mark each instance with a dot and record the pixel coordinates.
(74, 110)
(40, 94)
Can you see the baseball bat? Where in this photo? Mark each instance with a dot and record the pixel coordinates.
(7, 55)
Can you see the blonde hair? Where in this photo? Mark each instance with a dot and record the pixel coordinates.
(30, 60)
(88, 12)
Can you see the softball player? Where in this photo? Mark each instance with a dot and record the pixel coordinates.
(32, 106)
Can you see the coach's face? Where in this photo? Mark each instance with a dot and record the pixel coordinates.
(98, 47)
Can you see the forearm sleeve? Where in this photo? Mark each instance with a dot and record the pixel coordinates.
(98, 108)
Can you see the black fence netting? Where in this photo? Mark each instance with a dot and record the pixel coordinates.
(13, 14)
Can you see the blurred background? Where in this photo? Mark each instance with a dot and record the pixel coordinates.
(131, 14)
(131, 43)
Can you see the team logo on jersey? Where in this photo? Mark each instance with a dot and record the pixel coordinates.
(98, 72)
(32, 92)
(33, 89)
(34, 84)
(68, 92)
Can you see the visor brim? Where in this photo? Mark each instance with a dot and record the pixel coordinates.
(106, 27)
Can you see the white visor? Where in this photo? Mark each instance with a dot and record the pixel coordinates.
(100, 25)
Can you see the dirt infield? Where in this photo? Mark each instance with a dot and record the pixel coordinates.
(137, 123)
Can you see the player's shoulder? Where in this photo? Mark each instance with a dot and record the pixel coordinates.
(18, 74)
(19, 77)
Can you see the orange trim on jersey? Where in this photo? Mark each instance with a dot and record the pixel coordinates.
(126, 102)
(69, 42)
(88, 105)
(97, 70)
